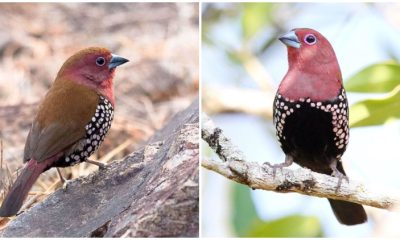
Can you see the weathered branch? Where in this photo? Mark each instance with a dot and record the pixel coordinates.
(153, 192)
(303, 181)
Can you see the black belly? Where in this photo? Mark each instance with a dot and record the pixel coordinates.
(307, 135)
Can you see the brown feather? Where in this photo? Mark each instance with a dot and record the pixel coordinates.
(61, 119)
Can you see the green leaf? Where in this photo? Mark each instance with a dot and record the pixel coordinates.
(247, 223)
(377, 78)
(377, 111)
(244, 213)
(255, 16)
(290, 226)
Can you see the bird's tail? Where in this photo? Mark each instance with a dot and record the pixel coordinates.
(19, 191)
(348, 213)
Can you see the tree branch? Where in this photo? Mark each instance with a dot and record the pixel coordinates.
(303, 181)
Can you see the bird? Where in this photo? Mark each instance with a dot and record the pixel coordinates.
(310, 113)
(71, 121)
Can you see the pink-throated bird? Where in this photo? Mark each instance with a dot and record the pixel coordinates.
(71, 122)
(311, 113)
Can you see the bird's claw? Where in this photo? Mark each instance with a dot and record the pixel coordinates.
(274, 167)
(102, 166)
(65, 185)
(287, 163)
(340, 176)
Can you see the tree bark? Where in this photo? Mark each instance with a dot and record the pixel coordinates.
(153, 192)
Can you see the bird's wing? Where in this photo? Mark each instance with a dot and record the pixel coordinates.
(45, 143)
(60, 121)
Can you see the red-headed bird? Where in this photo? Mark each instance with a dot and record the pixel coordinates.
(311, 113)
(71, 122)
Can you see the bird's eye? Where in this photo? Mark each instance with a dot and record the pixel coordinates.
(310, 39)
(100, 61)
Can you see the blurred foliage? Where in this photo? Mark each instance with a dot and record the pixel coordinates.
(211, 15)
(376, 111)
(255, 16)
(247, 223)
(293, 226)
(244, 214)
(378, 78)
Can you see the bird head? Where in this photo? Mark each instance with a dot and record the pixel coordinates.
(308, 48)
(313, 68)
(93, 67)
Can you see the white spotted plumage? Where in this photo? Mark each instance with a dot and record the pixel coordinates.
(338, 108)
(96, 130)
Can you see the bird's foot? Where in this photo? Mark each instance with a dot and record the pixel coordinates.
(101, 165)
(65, 184)
(287, 163)
(336, 173)
(274, 167)
(63, 180)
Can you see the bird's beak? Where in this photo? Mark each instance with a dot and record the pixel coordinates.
(290, 39)
(116, 61)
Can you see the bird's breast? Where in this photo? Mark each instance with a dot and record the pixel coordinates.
(317, 87)
(312, 129)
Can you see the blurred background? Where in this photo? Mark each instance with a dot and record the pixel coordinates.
(161, 40)
(242, 66)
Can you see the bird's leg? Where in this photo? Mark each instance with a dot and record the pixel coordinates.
(99, 164)
(287, 163)
(63, 180)
(337, 173)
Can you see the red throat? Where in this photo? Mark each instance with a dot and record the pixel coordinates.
(313, 72)
(297, 84)
(107, 90)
